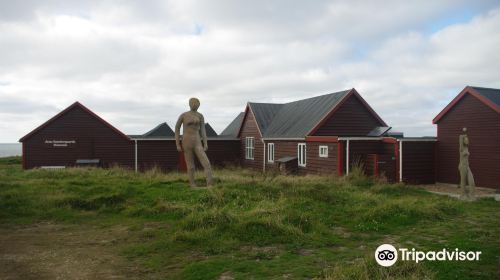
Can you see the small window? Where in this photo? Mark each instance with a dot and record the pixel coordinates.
(301, 154)
(323, 151)
(270, 152)
(249, 147)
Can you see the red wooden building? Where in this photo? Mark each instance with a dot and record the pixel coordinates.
(478, 109)
(78, 136)
(328, 134)
(325, 134)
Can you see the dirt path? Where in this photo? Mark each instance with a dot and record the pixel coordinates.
(454, 191)
(50, 251)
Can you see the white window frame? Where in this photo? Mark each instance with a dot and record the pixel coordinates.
(270, 152)
(323, 154)
(249, 147)
(301, 154)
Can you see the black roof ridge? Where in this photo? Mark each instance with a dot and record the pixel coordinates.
(303, 99)
(249, 102)
(492, 94)
(317, 96)
(263, 127)
(210, 130)
(484, 87)
(233, 127)
(156, 128)
(282, 126)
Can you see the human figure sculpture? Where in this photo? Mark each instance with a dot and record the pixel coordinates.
(466, 178)
(193, 126)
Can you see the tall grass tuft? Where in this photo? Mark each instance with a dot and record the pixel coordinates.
(367, 269)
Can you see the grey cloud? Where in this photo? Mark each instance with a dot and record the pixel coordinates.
(136, 63)
(25, 10)
(18, 105)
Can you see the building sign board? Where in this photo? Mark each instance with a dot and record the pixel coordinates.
(60, 143)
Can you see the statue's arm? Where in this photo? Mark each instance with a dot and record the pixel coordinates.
(178, 132)
(203, 132)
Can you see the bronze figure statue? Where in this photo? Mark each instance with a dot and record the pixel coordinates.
(193, 126)
(466, 178)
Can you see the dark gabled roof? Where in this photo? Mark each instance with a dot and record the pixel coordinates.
(300, 118)
(69, 108)
(264, 113)
(492, 94)
(296, 119)
(489, 96)
(161, 130)
(210, 131)
(234, 126)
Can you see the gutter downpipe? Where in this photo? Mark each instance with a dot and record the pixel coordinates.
(264, 155)
(400, 161)
(135, 152)
(347, 158)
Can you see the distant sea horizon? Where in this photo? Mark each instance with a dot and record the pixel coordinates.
(11, 149)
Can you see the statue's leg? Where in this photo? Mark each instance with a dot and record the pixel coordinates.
(470, 178)
(189, 156)
(463, 176)
(471, 183)
(202, 157)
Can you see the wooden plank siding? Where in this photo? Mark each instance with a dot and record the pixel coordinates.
(250, 129)
(359, 149)
(419, 162)
(282, 149)
(224, 152)
(160, 154)
(389, 161)
(351, 119)
(483, 125)
(93, 139)
(314, 163)
(319, 165)
(163, 154)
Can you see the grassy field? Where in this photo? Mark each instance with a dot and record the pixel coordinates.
(252, 226)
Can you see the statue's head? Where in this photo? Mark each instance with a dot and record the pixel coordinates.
(194, 104)
(464, 129)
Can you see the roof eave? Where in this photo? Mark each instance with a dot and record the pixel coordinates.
(249, 109)
(470, 90)
(58, 115)
(350, 93)
(242, 121)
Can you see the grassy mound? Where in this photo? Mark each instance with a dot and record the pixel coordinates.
(254, 225)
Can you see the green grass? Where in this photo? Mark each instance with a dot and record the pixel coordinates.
(259, 226)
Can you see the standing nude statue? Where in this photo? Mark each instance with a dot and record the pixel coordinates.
(193, 125)
(466, 179)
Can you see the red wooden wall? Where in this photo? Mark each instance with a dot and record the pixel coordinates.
(314, 163)
(93, 139)
(163, 154)
(351, 119)
(250, 129)
(419, 162)
(483, 126)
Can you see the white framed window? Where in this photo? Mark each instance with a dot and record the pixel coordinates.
(270, 152)
(323, 151)
(301, 154)
(249, 147)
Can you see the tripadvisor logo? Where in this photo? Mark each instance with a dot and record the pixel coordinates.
(387, 255)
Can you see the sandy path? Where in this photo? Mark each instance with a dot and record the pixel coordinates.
(50, 251)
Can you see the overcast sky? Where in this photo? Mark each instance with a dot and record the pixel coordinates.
(136, 63)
